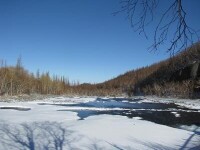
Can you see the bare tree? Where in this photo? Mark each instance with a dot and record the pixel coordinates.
(172, 21)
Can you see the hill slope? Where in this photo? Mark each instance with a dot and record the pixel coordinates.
(178, 77)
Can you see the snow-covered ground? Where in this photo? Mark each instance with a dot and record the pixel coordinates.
(40, 126)
(189, 103)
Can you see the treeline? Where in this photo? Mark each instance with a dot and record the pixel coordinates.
(178, 76)
(15, 80)
(95, 90)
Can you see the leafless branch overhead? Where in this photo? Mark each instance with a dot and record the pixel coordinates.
(172, 22)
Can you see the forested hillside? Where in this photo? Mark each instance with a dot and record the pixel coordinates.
(177, 77)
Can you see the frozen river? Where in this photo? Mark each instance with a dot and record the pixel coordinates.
(98, 123)
(162, 113)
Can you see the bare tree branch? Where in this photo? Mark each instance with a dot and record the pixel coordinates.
(173, 22)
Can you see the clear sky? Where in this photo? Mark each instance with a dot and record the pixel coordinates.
(79, 39)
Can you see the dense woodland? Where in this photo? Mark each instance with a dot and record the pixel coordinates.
(178, 76)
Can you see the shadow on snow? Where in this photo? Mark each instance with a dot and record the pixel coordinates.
(35, 136)
(54, 136)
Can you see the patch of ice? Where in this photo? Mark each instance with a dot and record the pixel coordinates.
(188, 103)
(192, 128)
(176, 114)
(138, 118)
(91, 108)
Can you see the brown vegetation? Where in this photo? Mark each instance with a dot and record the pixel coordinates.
(177, 77)
(15, 80)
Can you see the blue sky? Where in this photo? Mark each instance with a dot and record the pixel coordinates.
(79, 39)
